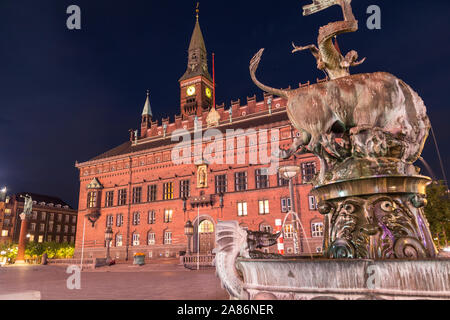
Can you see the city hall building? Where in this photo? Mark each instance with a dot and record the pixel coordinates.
(149, 187)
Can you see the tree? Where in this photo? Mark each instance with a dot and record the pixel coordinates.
(437, 211)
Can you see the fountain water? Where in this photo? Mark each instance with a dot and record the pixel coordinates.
(368, 130)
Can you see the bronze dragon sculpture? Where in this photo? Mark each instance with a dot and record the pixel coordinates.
(362, 116)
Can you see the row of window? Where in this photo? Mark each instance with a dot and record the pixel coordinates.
(151, 239)
(316, 230)
(263, 209)
(263, 206)
(50, 227)
(40, 239)
(51, 216)
(221, 186)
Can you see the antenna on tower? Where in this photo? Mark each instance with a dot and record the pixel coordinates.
(197, 10)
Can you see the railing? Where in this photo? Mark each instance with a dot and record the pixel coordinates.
(194, 261)
(87, 263)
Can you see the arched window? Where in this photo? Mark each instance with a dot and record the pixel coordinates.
(168, 237)
(317, 229)
(151, 238)
(206, 226)
(136, 239)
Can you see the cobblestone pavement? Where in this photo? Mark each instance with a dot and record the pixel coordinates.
(120, 282)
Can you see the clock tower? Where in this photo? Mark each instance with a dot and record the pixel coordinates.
(196, 84)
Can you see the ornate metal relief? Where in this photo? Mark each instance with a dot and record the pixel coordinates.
(378, 227)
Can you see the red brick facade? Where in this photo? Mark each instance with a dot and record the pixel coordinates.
(142, 164)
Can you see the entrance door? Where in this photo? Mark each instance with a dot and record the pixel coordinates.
(207, 237)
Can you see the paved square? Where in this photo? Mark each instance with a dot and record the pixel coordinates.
(121, 282)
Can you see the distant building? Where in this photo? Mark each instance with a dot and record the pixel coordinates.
(52, 219)
(146, 198)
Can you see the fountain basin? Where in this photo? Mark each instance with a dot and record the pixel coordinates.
(326, 279)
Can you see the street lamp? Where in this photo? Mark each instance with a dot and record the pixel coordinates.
(289, 173)
(108, 238)
(3, 195)
(189, 232)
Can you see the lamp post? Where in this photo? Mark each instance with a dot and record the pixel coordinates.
(108, 238)
(189, 232)
(3, 195)
(289, 173)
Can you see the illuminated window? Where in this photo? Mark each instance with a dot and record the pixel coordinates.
(31, 238)
(242, 209)
(41, 239)
(168, 191)
(5, 233)
(92, 199)
(263, 207)
(168, 214)
(206, 227)
(288, 231)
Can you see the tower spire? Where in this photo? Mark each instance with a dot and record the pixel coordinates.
(147, 107)
(197, 54)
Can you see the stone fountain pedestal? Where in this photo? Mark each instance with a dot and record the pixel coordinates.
(361, 279)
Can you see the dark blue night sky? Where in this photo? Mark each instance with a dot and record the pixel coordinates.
(71, 95)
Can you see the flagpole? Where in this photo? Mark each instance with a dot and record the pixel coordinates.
(214, 81)
(82, 244)
(198, 237)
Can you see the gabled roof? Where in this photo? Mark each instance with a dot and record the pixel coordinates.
(95, 184)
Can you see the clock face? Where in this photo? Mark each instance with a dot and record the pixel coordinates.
(208, 92)
(190, 91)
